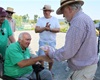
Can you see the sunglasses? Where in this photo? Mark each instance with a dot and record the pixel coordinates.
(10, 13)
(2, 32)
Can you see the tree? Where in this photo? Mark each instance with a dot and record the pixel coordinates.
(18, 20)
(25, 18)
(35, 18)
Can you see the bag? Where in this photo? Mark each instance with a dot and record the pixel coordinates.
(37, 68)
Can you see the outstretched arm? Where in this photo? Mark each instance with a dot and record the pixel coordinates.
(32, 61)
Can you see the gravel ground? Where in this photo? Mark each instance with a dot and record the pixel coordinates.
(97, 76)
(59, 70)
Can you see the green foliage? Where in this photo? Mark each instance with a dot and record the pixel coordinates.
(35, 18)
(22, 20)
(31, 22)
(25, 18)
(64, 28)
(18, 20)
(32, 28)
(96, 21)
(62, 23)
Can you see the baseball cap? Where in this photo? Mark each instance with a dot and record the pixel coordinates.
(2, 12)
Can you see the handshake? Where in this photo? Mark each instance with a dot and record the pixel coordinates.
(47, 49)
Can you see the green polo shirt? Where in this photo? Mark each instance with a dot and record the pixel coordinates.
(4, 38)
(15, 54)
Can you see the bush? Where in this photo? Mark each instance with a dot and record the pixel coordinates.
(64, 28)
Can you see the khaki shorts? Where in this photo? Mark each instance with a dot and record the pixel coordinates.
(86, 73)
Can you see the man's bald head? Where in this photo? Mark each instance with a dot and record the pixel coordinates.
(21, 35)
(24, 39)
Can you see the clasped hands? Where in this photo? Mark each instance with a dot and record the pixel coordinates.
(47, 27)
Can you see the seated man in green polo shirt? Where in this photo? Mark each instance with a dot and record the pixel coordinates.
(18, 60)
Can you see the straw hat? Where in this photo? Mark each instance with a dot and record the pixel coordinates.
(66, 2)
(9, 9)
(2, 12)
(47, 7)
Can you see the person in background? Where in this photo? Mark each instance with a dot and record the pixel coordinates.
(80, 47)
(10, 12)
(47, 27)
(18, 61)
(5, 32)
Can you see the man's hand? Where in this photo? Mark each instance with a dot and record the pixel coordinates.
(47, 28)
(47, 52)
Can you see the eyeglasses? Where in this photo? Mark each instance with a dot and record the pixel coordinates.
(2, 32)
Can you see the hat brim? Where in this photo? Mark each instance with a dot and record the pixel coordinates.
(66, 3)
(48, 9)
(10, 11)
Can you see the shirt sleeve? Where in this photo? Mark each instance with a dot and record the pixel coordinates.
(73, 42)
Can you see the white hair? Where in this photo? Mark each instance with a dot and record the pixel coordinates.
(75, 6)
(21, 35)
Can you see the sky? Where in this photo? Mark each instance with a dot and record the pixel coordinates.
(33, 7)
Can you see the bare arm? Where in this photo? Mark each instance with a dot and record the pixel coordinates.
(55, 30)
(12, 39)
(32, 61)
(39, 30)
(29, 62)
(46, 28)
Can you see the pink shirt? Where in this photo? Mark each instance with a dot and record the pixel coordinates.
(13, 24)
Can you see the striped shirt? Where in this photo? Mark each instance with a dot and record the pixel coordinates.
(80, 47)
